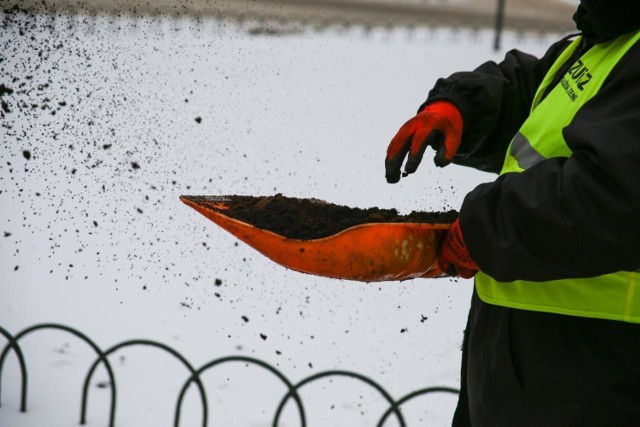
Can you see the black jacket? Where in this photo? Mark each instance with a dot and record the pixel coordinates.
(564, 217)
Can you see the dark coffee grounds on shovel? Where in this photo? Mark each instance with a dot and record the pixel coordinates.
(305, 219)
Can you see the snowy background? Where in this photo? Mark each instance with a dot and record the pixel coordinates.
(110, 120)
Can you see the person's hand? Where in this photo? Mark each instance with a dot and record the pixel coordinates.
(438, 125)
(454, 258)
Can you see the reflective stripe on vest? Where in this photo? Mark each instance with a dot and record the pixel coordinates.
(613, 296)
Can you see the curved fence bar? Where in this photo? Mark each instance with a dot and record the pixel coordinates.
(130, 343)
(213, 363)
(195, 376)
(415, 394)
(87, 340)
(383, 392)
(23, 367)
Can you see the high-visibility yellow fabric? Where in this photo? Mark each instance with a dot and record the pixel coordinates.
(613, 296)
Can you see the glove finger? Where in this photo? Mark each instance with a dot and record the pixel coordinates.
(440, 159)
(446, 267)
(437, 141)
(452, 270)
(446, 150)
(421, 140)
(396, 152)
(466, 273)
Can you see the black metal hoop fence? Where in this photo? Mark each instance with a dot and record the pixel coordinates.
(102, 357)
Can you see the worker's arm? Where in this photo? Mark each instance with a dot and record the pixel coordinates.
(568, 217)
(494, 101)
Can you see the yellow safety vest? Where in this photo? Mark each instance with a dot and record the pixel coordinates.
(613, 296)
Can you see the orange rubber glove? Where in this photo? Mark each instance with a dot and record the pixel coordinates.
(454, 258)
(438, 125)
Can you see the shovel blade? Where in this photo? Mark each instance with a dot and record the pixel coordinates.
(367, 253)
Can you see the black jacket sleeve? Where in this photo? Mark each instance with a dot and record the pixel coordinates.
(494, 100)
(568, 217)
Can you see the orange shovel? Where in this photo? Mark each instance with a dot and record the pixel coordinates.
(368, 252)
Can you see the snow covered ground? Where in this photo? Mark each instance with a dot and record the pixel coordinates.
(100, 141)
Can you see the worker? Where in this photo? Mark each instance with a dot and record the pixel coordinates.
(553, 335)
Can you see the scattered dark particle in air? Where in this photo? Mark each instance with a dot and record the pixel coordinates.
(95, 223)
(4, 90)
(7, 234)
(26, 154)
(103, 384)
(139, 210)
(135, 165)
(311, 365)
(423, 318)
(62, 103)
(403, 330)
(73, 171)
(245, 318)
(17, 267)
(198, 120)
(218, 282)
(263, 336)
(106, 146)
(5, 107)
(278, 352)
